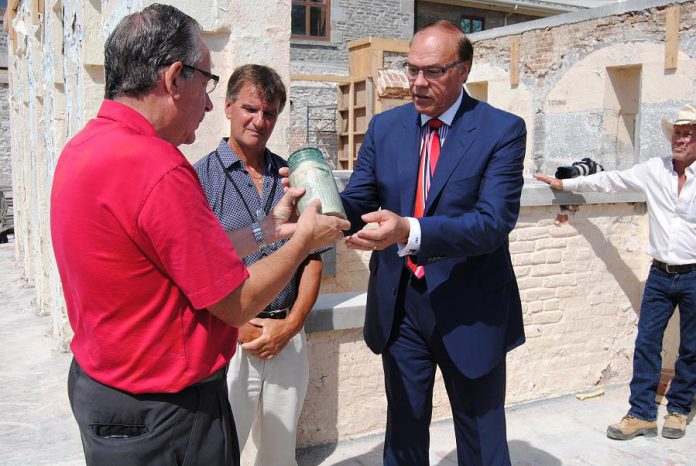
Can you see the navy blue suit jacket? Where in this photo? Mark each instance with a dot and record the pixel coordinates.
(472, 206)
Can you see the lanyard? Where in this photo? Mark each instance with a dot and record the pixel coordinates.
(260, 214)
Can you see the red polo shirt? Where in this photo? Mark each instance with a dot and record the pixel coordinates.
(140, 256)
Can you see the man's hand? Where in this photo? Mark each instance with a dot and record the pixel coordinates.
(391, 229)
(280, 223)
(274, 335)
(249, 332)
(555, 183)
(315, 230)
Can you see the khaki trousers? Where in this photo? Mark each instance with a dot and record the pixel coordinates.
(266, 397)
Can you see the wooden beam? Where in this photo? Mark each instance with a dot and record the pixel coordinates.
(515, 61)
(320, 77)
(672, 36)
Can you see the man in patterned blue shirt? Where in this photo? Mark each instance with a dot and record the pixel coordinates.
(269, 372)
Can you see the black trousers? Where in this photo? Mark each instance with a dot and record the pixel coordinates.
(191, 427)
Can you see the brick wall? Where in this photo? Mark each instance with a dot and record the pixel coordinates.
(580, 283)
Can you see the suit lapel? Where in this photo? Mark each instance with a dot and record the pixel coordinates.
(407, 161)
(460, 137)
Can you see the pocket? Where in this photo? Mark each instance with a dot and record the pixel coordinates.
(118, 431)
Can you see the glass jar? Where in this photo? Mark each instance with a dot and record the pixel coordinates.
(309, 170)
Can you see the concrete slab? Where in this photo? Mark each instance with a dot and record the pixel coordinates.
(37, 427)
(36, 423)
(560, 431)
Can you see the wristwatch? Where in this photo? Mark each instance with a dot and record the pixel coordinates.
(258, 236)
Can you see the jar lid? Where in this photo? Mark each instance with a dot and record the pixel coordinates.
(306, 153)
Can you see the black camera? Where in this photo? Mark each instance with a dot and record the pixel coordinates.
(585, 167)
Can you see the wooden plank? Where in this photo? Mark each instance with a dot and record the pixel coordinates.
(351, 125)
(515, 61)
(320, 77)
(672, 37)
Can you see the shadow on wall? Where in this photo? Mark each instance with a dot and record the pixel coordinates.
(616, 266)
(356, 391)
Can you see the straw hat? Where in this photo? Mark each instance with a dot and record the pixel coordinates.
(686, 116)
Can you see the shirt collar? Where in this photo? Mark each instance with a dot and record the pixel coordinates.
(691, 169)
(447, 117)
(230, 158)
(127, 116)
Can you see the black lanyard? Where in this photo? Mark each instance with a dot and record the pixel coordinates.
(267, 209)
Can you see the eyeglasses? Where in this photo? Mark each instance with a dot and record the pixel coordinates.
(429, 72)
(213, 79)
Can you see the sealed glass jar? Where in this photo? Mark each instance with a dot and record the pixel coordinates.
(309, 170)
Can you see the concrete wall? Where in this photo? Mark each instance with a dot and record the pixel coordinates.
(56, 85)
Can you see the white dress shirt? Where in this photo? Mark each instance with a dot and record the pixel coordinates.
(414, 236)
(671, 215)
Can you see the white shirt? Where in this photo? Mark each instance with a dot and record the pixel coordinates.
(414, 236)
(671, 215)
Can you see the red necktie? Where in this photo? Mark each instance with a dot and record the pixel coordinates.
(430, 153)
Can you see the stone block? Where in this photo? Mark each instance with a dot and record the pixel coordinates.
(544, 318)
(392, 84)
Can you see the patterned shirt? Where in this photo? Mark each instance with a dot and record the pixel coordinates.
(229, 208)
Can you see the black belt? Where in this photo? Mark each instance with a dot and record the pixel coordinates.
(682, 268)
(217, 375)
(281, 314)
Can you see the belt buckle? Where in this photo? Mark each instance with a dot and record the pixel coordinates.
(667, 268)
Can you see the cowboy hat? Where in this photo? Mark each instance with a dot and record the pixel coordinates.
(686, 116)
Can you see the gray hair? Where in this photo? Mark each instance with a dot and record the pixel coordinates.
(144, 42)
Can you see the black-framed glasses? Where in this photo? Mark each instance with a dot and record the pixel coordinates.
(213, 79)
(429, 72)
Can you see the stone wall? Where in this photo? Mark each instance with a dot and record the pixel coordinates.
(5, 152)
(428, 12)
(592, 83)
(351, 20)
(313, 117)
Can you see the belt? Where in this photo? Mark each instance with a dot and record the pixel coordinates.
(279, 314)
(217, 375)
(682, 268)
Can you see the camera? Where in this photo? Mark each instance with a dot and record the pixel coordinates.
(584, 167)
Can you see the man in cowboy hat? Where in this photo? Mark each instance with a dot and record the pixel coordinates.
(670, 189)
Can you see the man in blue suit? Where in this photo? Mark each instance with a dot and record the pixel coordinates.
(442, 178)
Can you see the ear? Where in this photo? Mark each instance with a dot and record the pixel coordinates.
(465, 70)
(228, 109)
(172, 78)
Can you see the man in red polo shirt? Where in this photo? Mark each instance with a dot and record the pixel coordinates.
(153, 285)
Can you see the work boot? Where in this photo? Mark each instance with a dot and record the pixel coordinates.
(675, 425)
(630, 427)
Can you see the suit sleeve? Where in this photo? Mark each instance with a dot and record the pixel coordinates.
(485, 227)
(361, 195)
